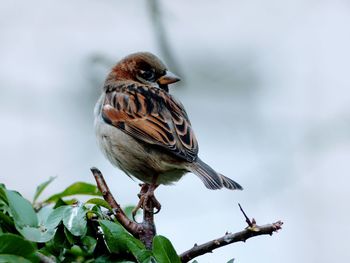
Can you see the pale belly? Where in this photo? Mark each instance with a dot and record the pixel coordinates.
(135, 158)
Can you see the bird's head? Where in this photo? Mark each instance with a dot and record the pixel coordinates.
(145, 68)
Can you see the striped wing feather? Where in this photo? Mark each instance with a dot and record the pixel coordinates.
(153, 116)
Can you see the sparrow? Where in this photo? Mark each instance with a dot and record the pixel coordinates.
(145, 131)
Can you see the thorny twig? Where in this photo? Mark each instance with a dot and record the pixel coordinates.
(251, 231)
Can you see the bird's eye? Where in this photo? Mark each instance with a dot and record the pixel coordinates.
(148, 74)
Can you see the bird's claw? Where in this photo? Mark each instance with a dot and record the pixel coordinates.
(147, 201)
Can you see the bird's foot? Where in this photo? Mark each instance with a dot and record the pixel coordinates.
(147, 200)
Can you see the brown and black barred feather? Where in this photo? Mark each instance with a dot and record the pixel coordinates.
(151, 115)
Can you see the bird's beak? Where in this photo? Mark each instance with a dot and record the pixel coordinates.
(168, 78)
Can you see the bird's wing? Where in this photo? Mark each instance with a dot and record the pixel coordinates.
(151, 115)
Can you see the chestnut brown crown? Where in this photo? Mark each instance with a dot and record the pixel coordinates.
(144, 67)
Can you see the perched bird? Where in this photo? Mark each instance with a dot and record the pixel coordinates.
(145, 131)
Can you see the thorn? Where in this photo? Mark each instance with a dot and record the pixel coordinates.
(250, 224)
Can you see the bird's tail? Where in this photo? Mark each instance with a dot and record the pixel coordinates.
(210, 178)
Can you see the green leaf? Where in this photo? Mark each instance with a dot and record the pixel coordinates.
(15, 245)
(4, 208)
(37, 234)
(60, 202)
(76, 251)
(118, 240)
(139, 251)
(43, 214)
(79, 188)
(115, 236)
(164, 251)
(69, 237)
(56, 216)
(74, 219)
(13, 259)
(7, 223)
(60, 240)
(41, 188)
(3, 196)
(89, 244)
(72, 201)
(97, 211)
(26, 221)
(99, 202)
(21, 210)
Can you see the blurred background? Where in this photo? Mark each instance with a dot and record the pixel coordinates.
(265, 83)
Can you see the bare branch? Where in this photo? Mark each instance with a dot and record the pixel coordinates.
(251, 231)
(134, 228)
(144, 231)
(229, 238)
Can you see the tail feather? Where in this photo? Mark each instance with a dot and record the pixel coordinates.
(208, 176)
(211, 179)
(230, 184)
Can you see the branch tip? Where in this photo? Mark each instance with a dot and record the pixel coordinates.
(277, 225)
(95, 170)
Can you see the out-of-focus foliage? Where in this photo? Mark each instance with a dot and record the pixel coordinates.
(66, 230)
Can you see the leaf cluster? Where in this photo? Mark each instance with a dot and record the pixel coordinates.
(61, 229)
